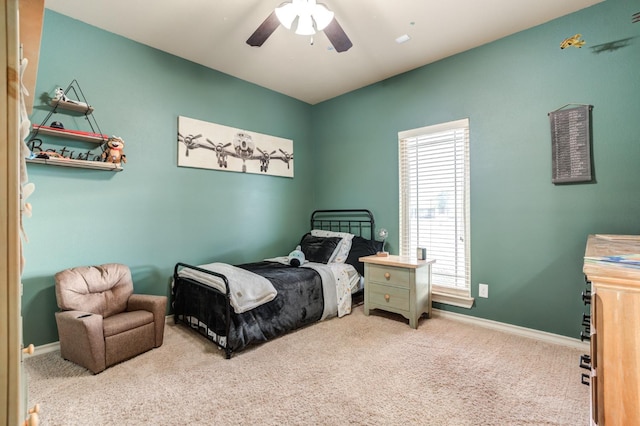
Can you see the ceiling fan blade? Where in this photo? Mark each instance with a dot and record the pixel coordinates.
(263, 32)
(337, 36)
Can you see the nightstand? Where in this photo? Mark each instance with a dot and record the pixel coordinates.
(398, 284)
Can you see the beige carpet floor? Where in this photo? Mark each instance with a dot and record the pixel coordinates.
(356, 370)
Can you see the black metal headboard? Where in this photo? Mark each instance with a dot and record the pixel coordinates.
(354, 221)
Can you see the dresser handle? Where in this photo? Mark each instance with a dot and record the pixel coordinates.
(387, 275)
(585, 362)
(387, 297)
(584, 379)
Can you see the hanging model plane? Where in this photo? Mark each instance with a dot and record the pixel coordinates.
(572, 41)
(243, 148)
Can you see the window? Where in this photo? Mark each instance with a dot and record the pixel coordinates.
(434, 205)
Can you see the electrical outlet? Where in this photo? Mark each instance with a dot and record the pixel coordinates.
(483, 290)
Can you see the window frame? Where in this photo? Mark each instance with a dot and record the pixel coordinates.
(443, 294)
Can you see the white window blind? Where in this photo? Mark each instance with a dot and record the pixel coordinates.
(434, 201)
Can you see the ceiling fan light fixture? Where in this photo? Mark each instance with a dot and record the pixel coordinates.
(286, 14)
(308, 17)
(322, 16)
(305, 25)
(311, 17)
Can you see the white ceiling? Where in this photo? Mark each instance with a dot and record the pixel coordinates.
(213, 33)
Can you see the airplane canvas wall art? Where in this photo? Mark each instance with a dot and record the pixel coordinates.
(213, 146)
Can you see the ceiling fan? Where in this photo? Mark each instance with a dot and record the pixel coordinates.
(309, 17)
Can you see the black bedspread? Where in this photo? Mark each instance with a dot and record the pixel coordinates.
(299, 302)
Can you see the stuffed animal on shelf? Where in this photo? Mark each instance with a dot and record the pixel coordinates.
(296, 257)
(113, 152)
(62, 97)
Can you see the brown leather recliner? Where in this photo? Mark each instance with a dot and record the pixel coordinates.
(101, 322)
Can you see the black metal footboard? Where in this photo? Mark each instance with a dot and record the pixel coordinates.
(202, 307)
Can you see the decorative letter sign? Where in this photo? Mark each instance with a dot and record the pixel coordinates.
(571, 144)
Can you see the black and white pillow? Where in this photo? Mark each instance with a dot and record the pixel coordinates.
(318, 249)
(342, 250)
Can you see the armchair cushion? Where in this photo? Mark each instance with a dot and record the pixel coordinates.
(124, 321)
(102, 290)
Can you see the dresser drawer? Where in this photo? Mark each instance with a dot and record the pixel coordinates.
(390, 275)
(389, 296)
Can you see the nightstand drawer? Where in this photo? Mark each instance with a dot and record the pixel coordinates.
(393, 297)
(389, 274)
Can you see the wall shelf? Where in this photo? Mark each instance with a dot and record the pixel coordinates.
(71, 134)
(95, 136)
(82, 164)
(85, 109)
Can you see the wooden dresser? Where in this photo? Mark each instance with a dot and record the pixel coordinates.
(398, 284)
(614, 330)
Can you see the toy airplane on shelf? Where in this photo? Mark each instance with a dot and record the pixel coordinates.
(572, 41)
(62, 97)
(243, 148)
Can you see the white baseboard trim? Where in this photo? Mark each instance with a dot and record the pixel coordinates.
(55, 346)
(515, 329)
(500, 326)
(45, 349)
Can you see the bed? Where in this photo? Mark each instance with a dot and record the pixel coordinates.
(236, 306)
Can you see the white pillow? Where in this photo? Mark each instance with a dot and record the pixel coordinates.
(341, 252)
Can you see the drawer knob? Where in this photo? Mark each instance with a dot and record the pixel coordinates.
(387, 297)
(387, 275)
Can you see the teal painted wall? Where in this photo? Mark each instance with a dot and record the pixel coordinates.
(154, 214)
(527, 235)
